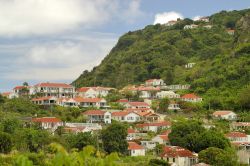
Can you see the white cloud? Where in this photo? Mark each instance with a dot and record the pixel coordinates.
(133, 12)
(162, 18)
(196, 18)
(42, 17)
(60, 60)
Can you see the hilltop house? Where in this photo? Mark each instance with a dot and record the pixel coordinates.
(179, 156)
(171, 23)
(91, 102)
(191, 98)
(230, 31)
(20, 91)
(49, 123)
(205, 19)
(173, 106)
(228, 115)
(168, 94)
(59, 90)
(135, 150)
(98, 116)
(240, 125)
(9, 95)
(66, 102)
(237, 137)
(154, 82)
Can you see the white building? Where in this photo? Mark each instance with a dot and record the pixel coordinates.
(228, 115)
(168, 94)
(59, 90)
(179, 156)
(135, 150)
(98, 116)
(148, 145)
(45, 100)
(189, 65)
(192, 26)
(191, 98)
(173, 106)
(136, 105)
(91, 102)
(124, 116)
(205, 19)
(177, 87)
(238, 137)
(156, 126)
(154, 82)
(93, 92)
(49, 123)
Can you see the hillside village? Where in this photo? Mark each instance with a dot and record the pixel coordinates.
(152, 113)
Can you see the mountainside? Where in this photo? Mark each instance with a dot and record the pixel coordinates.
(158, 51)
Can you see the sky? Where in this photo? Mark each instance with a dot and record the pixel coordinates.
(56, 40)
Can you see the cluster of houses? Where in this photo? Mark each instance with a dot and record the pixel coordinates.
(139, 113)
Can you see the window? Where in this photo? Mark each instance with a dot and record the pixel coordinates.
(173, 159)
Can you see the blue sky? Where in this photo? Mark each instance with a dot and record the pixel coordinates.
(55, 40)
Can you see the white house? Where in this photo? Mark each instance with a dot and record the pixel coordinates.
(59, 90)
(49, 123)
(191, 98)
(50, 100)
(173, 106)
(135, 150)
(19, 91)
(9, 95)
(93, 92)
(179, 156)
(189, 65)
(208, 26)
(230, 31)
(171, 23)
(177, 87)
(205, 19)
(148, 145)
(156, 126)
(135, 105)
(148, 92)
(66, 102)
(89, 126)
(237, 137)
(168, 94)
(98, 116)
(228, 115)
(125, 116)
(192, 26)
(91, 102)
(154, 82)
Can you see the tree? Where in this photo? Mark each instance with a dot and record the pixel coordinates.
(163, 105)
(244, 98)
(81, 140)
(114, 138)
(193, 136)
(25, 84)
(5, 142)
(158, 162)
(218, 157)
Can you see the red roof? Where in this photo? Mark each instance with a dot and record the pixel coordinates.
(21, 87)
(87, 100)
(5, 94)
(164, 137)
(42, 98)
(164, 123)
(243, 124)
(176, 151)
(131, 131)
(236, 134)
(143, 104)
(222, 112)
(122, 113)
(190, 96)
(63, 85)
(142, 88)
(94, 112)
(122, 101)
(138, 109)
(46, 119)
(83, 89)
(134, 146)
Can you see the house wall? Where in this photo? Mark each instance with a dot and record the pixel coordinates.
(138, 152)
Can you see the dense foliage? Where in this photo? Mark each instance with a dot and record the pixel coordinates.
(159, 51)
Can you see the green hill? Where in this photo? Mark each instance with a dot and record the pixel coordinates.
(222, 67)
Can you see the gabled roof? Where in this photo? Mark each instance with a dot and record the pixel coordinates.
(5, 94)
(20, 87)
(122, 101)
(143, 88)
(131, 131)
(46, 120)
(164, 137)
(48, 84)
(83, 89)
(94, 112)
(123, 113)
(44, 98)
(235, 135)
(190, 96)
(134, 146)
(176, 151)
(222, 112)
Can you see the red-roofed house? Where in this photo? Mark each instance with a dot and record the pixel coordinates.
(162, 138)
(179, 156)
(20, 91)
(225, 114)
(237, 137)
(135, 149)
(230, 31)
(131, 134)
(205, 19)
(154, 82)
(59, 90)
(154, 126)
(50, 123)
(126, 116)
(93, 92)
(98, 116)
(147, 92)
(45, 100)
(191, 98)
(8, 95)
(135, 105)
(91, 102)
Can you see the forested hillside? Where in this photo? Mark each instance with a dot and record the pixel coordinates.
(222, 60)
